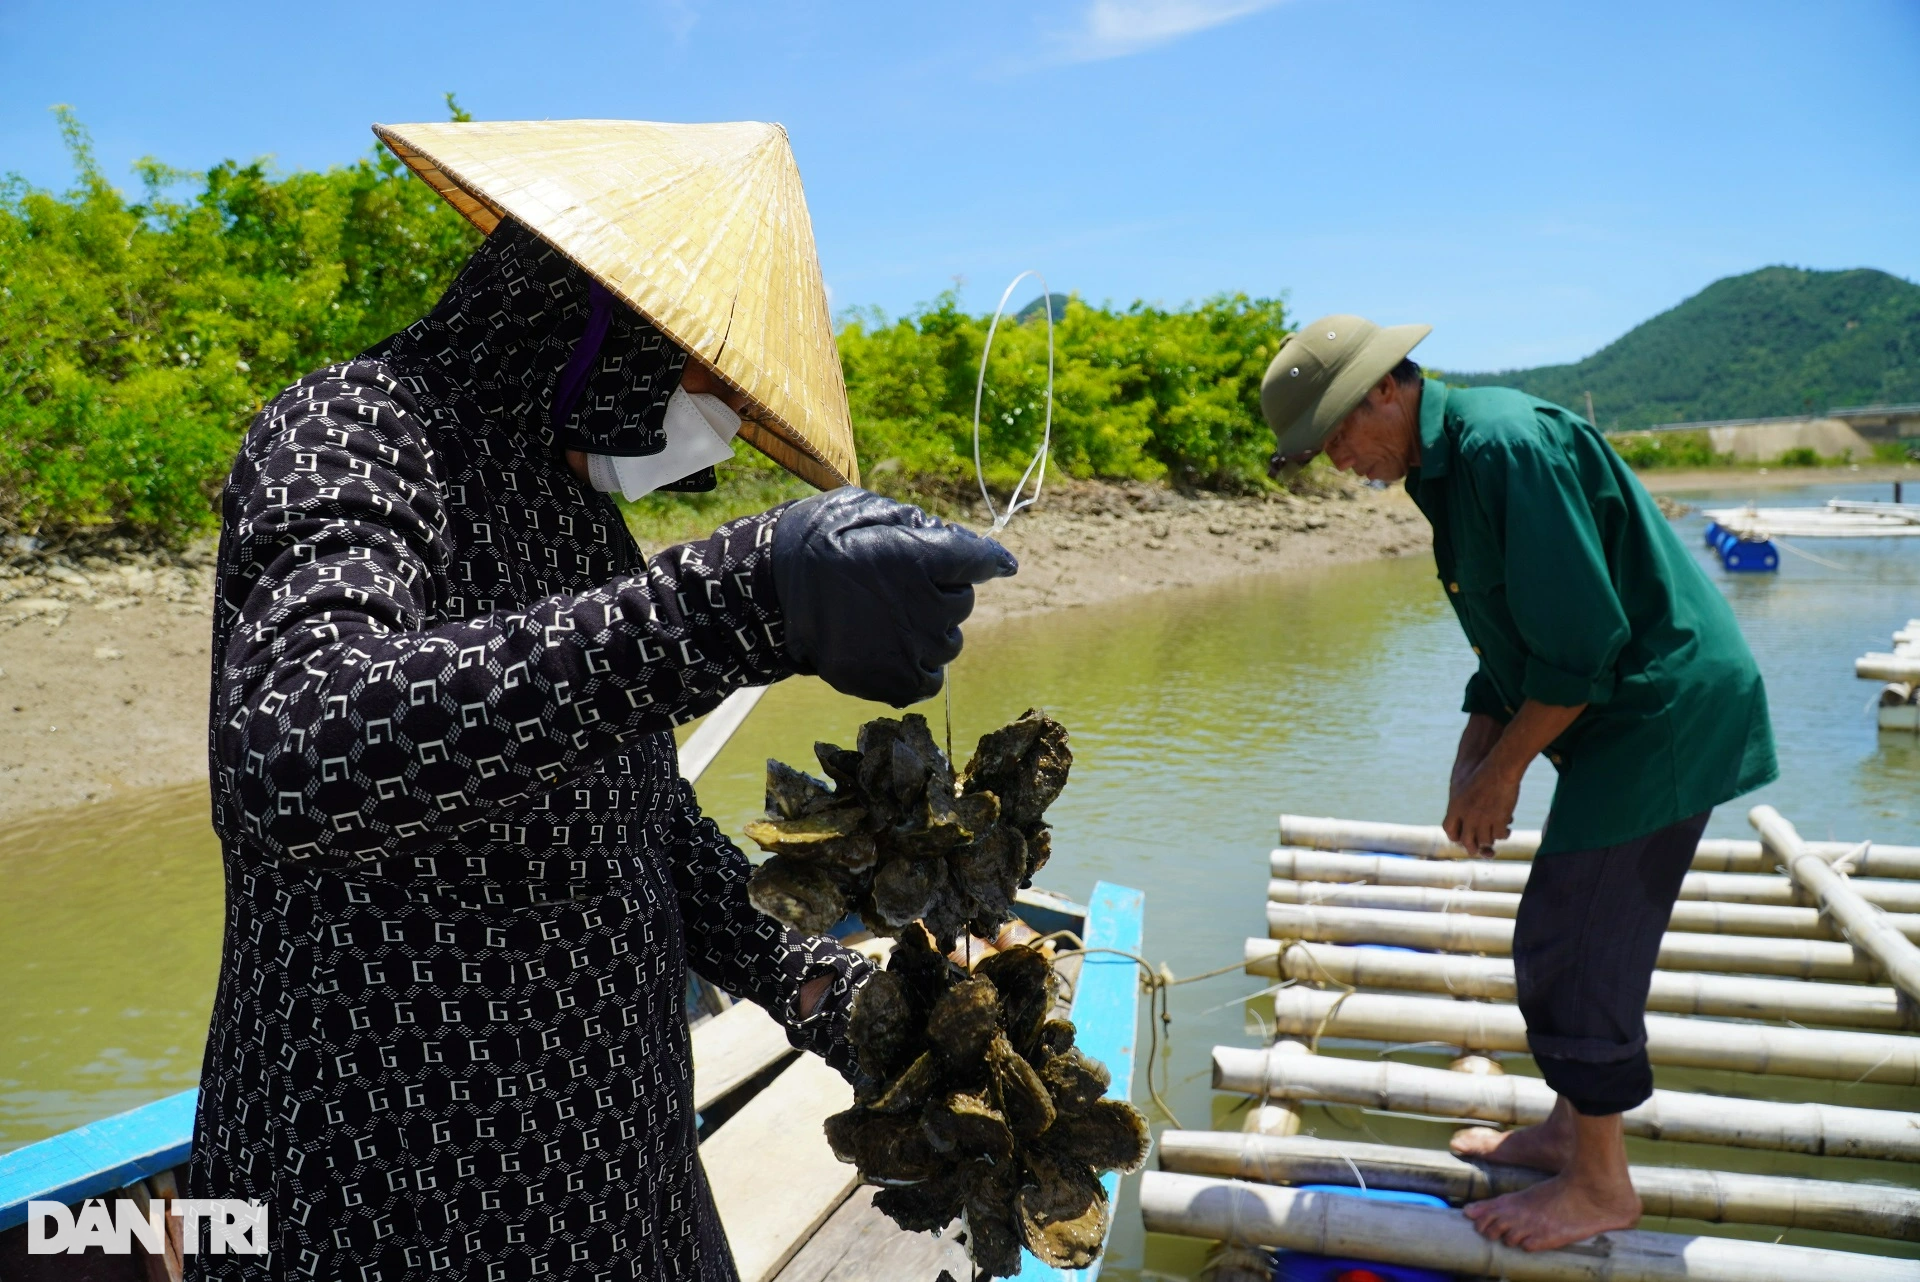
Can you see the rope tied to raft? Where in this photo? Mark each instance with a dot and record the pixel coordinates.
(1347, 990)
(1156, 980)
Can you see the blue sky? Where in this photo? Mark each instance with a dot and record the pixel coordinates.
(1531, 178)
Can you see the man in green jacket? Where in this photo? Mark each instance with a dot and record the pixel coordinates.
(1603, 645)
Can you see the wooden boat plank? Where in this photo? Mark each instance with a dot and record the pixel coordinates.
(733, 1047)
(773, 1177)
(859, 1244)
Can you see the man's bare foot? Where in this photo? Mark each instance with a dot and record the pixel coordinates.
(1547, 1146)
(1556, 1213)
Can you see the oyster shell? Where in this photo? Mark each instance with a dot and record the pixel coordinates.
(922, 967)
(841, 765)
(968, 1126)
(792, 793)
(912, 1088)
(993, 1238)
(975, 1103)
(986, 873)
(885, 1027)
(1075, 1082)
(930, 1204)
(799, 892)
(900, 841)
(1021, 1094)
(1024, 764)
(903, 890)
(1061, 1211)
(1055, 1038)
(964, 1021)
(1109, 1136)
(1024, 978)
(894, 1149)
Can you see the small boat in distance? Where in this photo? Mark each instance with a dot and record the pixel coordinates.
(1836, 519)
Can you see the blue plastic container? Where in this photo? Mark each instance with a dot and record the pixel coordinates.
(1299, 1266)
(1741, 555)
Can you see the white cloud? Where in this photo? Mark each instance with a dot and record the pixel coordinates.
(679, 17)
(1115, 28)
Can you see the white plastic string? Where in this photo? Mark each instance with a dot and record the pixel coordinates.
(1037, 469)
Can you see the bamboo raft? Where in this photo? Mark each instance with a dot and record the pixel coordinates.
(1899, 702)
(1838, 519)
(1784, 958)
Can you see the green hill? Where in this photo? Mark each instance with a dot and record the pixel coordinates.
(1032, 310)
(1776, 341)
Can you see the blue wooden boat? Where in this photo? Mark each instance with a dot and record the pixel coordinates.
(142, 1154)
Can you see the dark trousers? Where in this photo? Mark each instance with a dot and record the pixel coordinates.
(1584, 947)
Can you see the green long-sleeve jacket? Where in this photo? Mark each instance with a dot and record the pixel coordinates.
(1573, 589)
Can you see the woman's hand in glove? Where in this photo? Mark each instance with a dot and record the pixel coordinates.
(874, 592)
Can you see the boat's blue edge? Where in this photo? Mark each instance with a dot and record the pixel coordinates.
(1106, 1009)
(98, 1157)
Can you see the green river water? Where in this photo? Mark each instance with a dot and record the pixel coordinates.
(1197, 716)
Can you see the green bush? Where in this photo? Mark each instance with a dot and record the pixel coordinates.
(1667, 449)
(1800, 456)
(1140, 394)
(138, 337)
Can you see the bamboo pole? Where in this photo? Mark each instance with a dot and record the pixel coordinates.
(1718, 1197)
(1863, 925)
(1828, 1130)
(1701, 916)
(1423, 841)
(1752, 888)
(1827, 1054)
(1282, 1118)
(1904, 668)
(1429, 842)
(1459, 933)
(1443, 1238)
(1297, 863)
(1672, 992)
(1304, 863)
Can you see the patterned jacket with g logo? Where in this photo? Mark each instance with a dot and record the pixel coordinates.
(464, 879)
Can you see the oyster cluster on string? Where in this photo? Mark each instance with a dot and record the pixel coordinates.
(891, 835)
(978, 1106)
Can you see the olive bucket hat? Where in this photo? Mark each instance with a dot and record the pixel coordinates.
(1321, 374)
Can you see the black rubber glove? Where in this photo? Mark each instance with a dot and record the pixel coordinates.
(874, 592)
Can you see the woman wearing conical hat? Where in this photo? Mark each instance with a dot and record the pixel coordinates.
(465, 881)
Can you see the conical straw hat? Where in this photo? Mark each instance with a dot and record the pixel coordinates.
(701, 228)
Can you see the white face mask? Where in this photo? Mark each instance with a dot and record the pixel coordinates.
(700, 430)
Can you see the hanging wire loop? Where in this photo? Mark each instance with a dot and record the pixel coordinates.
(1036, 469)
